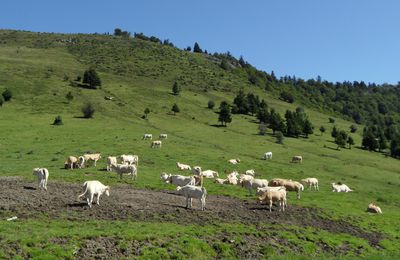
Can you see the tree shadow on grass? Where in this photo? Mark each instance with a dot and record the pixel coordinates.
(218, 125)
(81, 117)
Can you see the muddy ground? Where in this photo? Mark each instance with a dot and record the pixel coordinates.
(22, 199)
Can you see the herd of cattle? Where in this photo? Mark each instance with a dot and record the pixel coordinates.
(191, 187)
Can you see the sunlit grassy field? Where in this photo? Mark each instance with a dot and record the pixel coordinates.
(28, 139)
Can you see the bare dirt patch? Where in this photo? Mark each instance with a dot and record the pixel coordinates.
(22, 199)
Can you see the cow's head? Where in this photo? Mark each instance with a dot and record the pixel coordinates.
(107, 190)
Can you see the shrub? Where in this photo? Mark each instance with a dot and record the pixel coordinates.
(287, 96)
(262, 128)
(7, 95)
(331, 120)
(58, 121)
(88, 110)
(146, 112)
(91, 78)
(175, 109)
(1, 100)
(353, 128)
(176, 89)
(69, 96)
(211, 104)
(279, 137)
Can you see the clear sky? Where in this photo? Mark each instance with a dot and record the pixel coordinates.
(337, 39)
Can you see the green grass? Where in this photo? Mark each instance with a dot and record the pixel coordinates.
(140, 74)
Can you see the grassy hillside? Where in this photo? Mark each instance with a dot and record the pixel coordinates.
(39, 69)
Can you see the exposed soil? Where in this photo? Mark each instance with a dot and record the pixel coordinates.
(22, 199)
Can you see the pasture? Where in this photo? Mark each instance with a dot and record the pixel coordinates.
(144, 218)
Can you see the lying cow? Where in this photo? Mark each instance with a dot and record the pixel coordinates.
(191, 192)
(372, 208)
(234, 161)
(182, 166)
(209, 174)
(92, 188)
(42, 175)
(340, 188)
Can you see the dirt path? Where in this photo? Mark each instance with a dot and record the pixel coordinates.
(20, 198)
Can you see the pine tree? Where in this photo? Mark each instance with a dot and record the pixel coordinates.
(175, 109)
(146, 112)
(241, 105)
(276, 122)
(322, 130)
(307, 128)
(334, 132)
(176, 89)
(341, 139)
(350, 141)
(196, 48)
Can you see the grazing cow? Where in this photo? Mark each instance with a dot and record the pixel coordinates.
(250, 183)
(182, 166)
(297, 159)
(72, 162)
(196, 170)
(193, 192)
(311, 182)
(92, 157)
(163, 136)
(156, 144)
(42, 175)
(92, 188)
(272, 196)
(250, 172)
(125, 169)
(178, 180)
(267, 156)
(209, 174)
(289, 185)
(81, 162)
(111, 160)
(372, 208)
(340, 188)
(147, 136)
(234, 161)
(130, 159)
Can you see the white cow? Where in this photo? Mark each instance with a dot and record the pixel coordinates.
(42, 175)
(193, 192)
(340, 188)
(163, 136)
(147, 136)
(156, 144)
(92, 157)
(250, 172)
(130, 159)
(311, 182)
(297, 158)
(178, 180)
(125, 169)
(250, 183)
(267, 156)
(234, 161)
(182, 166)
(233, 178)
(274, 196)
(71, 162)
(262, 190)
(92, 188)
(196, 170)
(111, 160)
(210, 174)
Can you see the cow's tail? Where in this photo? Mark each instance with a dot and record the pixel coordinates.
(204, 191)
(85, 186)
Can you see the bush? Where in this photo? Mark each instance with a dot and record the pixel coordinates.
(88, 110)
(353, 128)
(287, 96)
(175, 109)
(69, 96)
(331, 120)
(91, 78)
(176, 89)
(279, 137)
(58, 121)
(211, 104)
(7, 95)
(262, 128)
(146, 112)
(1, 100)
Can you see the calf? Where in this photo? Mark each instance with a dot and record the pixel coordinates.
(193, 192)
(42, 175)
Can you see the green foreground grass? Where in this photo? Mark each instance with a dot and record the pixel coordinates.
(28, 140)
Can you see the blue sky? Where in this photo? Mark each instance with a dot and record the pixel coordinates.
(337, 39)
